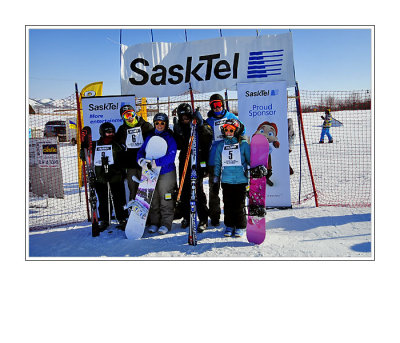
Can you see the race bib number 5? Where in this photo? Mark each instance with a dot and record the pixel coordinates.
(231, 156)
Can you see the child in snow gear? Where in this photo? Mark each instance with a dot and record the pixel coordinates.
(217, 116)
(232, 159)
(269, 130)
(131, 135)
(161, 212)
(110, 175)
(182, 135)
(326, 126)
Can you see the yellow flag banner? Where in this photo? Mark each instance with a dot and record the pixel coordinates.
(92, 89)
(143, 109)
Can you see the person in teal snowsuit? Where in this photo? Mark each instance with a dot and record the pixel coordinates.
(232, 159)
(217, 116)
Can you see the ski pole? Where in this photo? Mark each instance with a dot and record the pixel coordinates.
(185, 169)
(104, 162)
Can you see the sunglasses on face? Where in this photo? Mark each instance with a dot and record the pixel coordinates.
(216, 103)
(159, 123)
(109, 130)
(229, 130)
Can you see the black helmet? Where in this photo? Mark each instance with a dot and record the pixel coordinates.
(235, 123)
(216, 97)
(161, 117)
(184, 109)
(106, 127)
(125, 108)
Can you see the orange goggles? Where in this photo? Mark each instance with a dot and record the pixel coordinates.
(216, 103)
(159, 123)
(229, 128)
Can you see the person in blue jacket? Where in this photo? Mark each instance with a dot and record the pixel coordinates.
(161, 213)
(232, 159)
(216, 118)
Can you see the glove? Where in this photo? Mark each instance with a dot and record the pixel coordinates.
(198, 117)
(178, 129)
(143, 162)
(276, 144)
(215, 186)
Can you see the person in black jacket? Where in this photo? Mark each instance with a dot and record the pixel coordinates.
(182, 134)
(110, 176)
(131, 135)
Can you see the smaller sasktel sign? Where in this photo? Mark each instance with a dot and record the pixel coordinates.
(166, 69)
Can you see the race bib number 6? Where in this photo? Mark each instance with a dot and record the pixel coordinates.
(134, 138)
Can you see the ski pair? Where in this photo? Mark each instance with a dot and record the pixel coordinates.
(92, 180)
(192, 239)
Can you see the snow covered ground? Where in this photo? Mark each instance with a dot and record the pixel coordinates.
(304, 232)
(328, 233)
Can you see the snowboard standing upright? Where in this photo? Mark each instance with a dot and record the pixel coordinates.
(140, 206)
(259, 150)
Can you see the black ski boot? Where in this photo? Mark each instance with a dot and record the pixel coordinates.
(103, 225)
(121, 224)
(202, 226)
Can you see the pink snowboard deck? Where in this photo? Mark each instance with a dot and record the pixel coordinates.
(259, 149)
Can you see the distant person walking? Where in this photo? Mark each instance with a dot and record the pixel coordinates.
(326, 126)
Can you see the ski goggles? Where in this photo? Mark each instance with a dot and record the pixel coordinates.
(109, 130)
(229, 128)
(216, 103)
(129, 114)
(159, 123)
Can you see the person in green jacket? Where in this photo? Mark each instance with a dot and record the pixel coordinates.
(131, 135)
(232, 159)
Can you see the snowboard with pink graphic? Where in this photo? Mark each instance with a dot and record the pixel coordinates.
(259, 150)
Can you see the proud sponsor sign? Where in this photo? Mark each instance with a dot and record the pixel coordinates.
(166, 69)
(263, 110)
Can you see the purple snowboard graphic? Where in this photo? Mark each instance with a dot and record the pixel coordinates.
(259, 149)
(140, 206)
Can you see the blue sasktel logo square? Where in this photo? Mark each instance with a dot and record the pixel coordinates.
(265, 63)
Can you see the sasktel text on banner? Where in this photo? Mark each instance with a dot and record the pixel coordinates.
(100, 109)
(166, 69)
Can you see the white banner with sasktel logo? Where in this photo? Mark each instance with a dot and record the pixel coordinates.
(165, 69)
(263, 109)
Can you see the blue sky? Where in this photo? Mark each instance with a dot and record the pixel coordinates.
(325, 58)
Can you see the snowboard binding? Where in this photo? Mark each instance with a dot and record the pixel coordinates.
(258, 172)
(257, 210)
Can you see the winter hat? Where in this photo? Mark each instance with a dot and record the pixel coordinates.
(106, 127)
(234, 124)
(161, 117)
(184, 110)
(125, 108)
